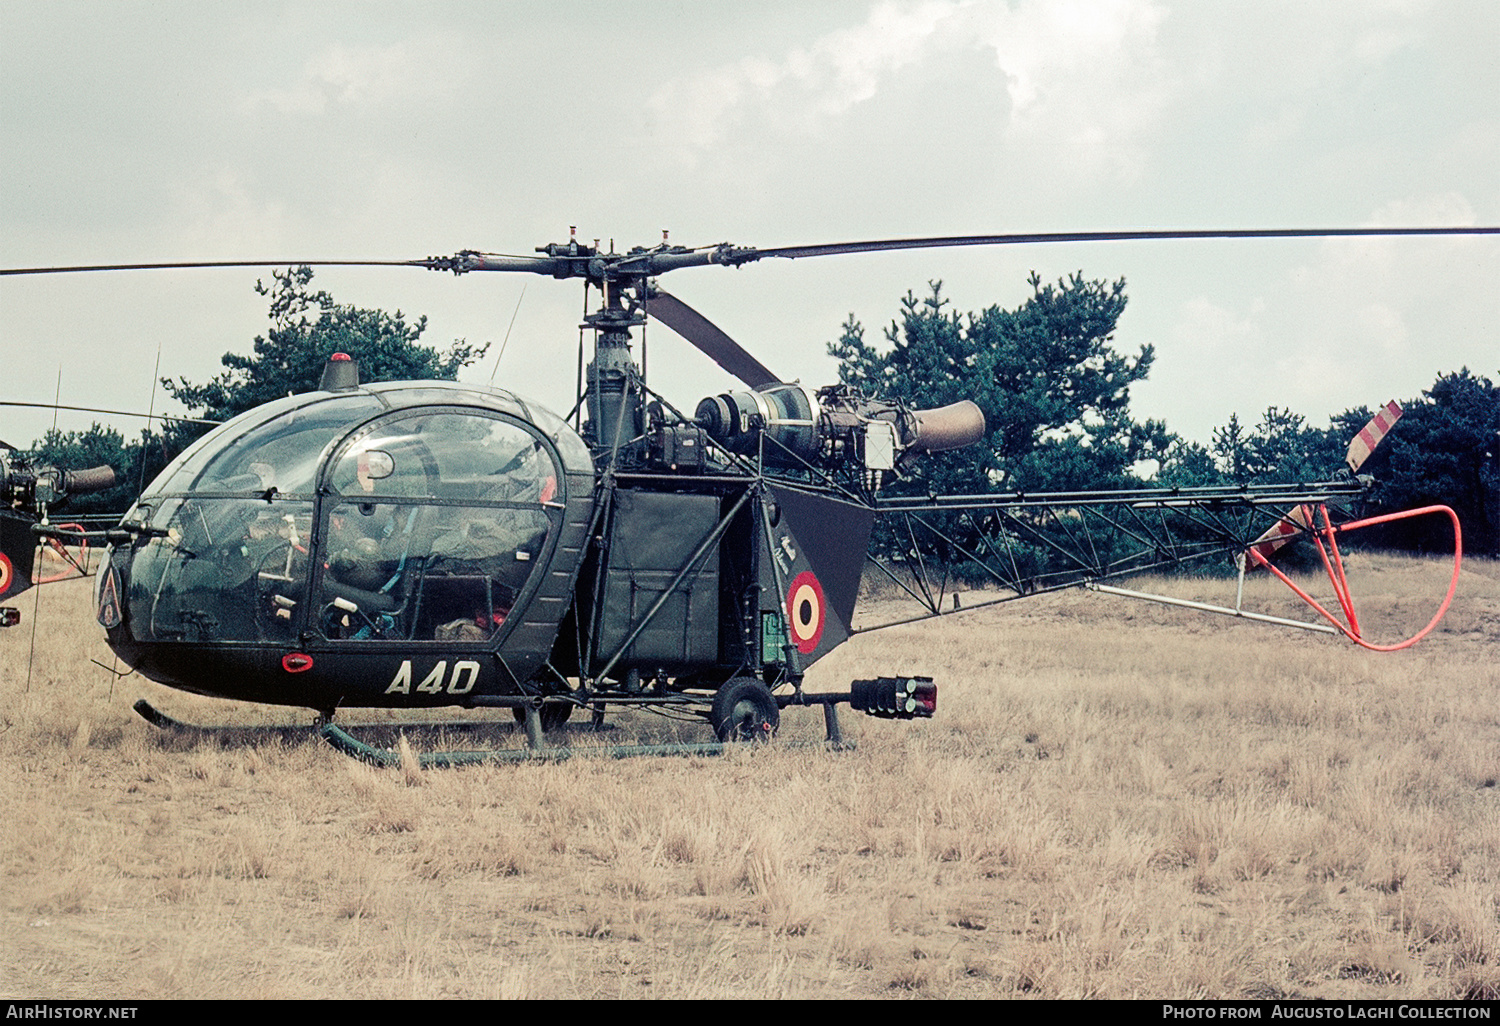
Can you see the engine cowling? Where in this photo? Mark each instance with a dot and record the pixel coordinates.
(789, 425)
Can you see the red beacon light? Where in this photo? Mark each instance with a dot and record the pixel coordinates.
(340, 374)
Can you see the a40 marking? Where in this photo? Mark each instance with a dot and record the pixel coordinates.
(438, 681)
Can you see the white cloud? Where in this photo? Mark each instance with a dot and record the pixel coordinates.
(1082, 80)
(800, 89)
(1448, 208)
(346, 76)
(223, 210)
(1209, 331)
(1085, 81)
(1074, 46)
(1358, 322)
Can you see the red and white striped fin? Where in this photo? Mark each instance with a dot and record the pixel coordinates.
(1371, 434)
(1280, 533)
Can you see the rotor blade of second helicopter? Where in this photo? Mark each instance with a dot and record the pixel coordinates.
(708, 338)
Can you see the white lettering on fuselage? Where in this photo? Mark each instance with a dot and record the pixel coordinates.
(438, 680)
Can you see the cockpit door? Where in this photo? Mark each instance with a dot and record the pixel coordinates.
(432, 527)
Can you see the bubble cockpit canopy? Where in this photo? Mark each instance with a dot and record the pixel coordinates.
(400, 512)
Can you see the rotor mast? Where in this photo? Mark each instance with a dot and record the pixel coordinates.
(614, 390)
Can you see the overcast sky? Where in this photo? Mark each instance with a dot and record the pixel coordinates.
(190, 131)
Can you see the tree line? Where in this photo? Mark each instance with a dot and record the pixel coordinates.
(1053, 386)
(1056, 398)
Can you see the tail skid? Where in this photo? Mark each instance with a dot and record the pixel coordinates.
(1328, 550)
(1305, 519)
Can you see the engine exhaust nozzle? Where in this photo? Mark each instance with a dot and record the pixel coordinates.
(948, 427)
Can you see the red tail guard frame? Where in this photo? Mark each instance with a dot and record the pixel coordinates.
(1321, 530)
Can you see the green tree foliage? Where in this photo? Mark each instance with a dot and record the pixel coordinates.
(306, 328)
(1282, 448)
(1054, 391)
(1188, 464)
(1444, 450)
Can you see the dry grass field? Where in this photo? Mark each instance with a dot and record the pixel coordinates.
(1115, 800)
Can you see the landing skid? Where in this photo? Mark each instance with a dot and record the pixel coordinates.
(537, 750)
(157, 718)
(386, 757)
(161, 720)
(886, 697)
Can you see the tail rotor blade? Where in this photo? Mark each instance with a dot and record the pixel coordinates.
(708, 338)
(1371, 435)
(1364, 443)
(1283, 531)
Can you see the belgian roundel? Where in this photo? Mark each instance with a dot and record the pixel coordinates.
(805, 610)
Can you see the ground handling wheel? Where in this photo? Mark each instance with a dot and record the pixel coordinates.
(745, 710)
(553, 714)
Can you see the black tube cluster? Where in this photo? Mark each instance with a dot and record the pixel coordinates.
(27, 487)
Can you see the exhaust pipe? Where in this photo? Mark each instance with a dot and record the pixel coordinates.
(948, 427)
(83, 482)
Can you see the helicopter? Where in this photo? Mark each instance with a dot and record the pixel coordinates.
(412, 545)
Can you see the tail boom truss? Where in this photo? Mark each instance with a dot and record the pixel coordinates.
(1027, 544)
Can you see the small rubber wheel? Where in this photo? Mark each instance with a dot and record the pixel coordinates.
(745, 710)
(553, 714)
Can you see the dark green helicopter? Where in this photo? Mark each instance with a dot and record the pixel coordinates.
(420, 544)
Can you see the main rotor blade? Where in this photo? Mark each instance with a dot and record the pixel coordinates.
(563, 263)
(704, 334)
(116, 413)
(940, 242)
(214, 263)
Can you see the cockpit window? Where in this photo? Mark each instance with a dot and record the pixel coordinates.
(448, 456)
(414, 572)
(438, 529)
(281, 453)
(221, 569)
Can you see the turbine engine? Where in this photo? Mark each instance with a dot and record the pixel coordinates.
(793, 426)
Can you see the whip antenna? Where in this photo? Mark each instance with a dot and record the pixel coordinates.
(509, 326)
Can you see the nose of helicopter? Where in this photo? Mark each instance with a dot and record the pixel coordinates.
(353, 527)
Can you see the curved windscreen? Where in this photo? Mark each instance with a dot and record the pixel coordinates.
(277, 446)
(421, 526)
(222, 569)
